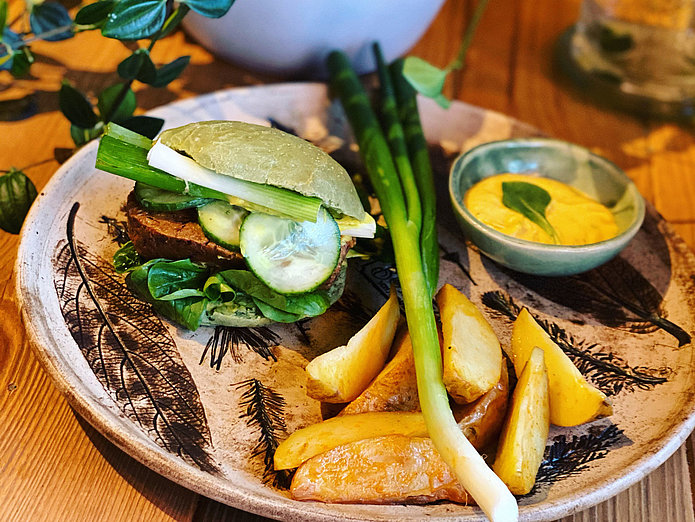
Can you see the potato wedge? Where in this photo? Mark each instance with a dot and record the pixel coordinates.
(573, 400)
(482, 419)
(395, 388)
(318, 438)
(341, 374)
(522, 444)
(380, 470)
(471, 353)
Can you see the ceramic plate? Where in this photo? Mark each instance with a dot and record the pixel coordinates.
(172, 400)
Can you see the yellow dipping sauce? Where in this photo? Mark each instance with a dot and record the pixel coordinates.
(576, 218)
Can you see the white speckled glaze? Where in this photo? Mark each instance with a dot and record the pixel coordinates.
(655, 421)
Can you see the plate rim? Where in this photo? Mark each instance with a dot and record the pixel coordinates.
(214, 487)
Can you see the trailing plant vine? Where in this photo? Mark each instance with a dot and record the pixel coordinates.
(124, 20)
(132, 21)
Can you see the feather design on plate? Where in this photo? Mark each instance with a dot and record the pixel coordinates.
(131, 352)
(568, 456)
(229, 340)
(264, 410)
(609, 372)
(615, 294)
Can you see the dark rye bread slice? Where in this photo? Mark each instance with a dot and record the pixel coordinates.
(175, 235)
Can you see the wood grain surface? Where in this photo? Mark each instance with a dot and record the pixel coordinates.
(54, 466)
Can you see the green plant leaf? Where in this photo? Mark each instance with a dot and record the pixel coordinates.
(109, 96)
(442, 101)
(306, 305)
(17, 193)
(81, 135)
(10, 40)
(174, 20)
(187, 311)
(3, 15)
(424, 77)
(530, 201)
(169, 72)
(138, 66)
(96, 13)
(47, 17)
(126, 258)
(145, 125)
(21, 62)
(75, 106)
(209, 8)
(135, 19)
(170, 280)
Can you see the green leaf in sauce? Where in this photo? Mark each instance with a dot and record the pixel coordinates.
(530, 201)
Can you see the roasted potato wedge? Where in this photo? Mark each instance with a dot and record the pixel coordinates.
(522, 444)
(318, 438)
(482, 419)
(471, 353)
(395, 388)
(573, 400)
(341, 374)
(380, 470)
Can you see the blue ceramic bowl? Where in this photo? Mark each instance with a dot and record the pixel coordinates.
(571, 164)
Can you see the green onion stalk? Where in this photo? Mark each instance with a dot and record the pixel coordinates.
(418, 154)
(396, 199)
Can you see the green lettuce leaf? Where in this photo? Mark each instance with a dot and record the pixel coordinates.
(126, 258)
(304, 305)
(170, 280)
(187, 311)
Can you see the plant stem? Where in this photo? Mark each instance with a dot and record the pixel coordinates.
(457, 62)
(41, 36)
(126, 86)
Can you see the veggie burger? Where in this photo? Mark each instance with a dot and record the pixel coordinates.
(234, 224)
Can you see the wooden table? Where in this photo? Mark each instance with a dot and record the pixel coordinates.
(54, 466)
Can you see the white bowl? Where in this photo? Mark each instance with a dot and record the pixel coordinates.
(293, 37)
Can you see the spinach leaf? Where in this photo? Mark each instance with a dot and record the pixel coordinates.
(306, 305)
(275, 314)
(17, 193)
(530, 201)
(171, 280)
(126, 258)
(187, 311)
(217, 289)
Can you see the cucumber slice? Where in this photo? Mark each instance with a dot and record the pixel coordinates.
(158, 200)
(288, 256)
(220, 222)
